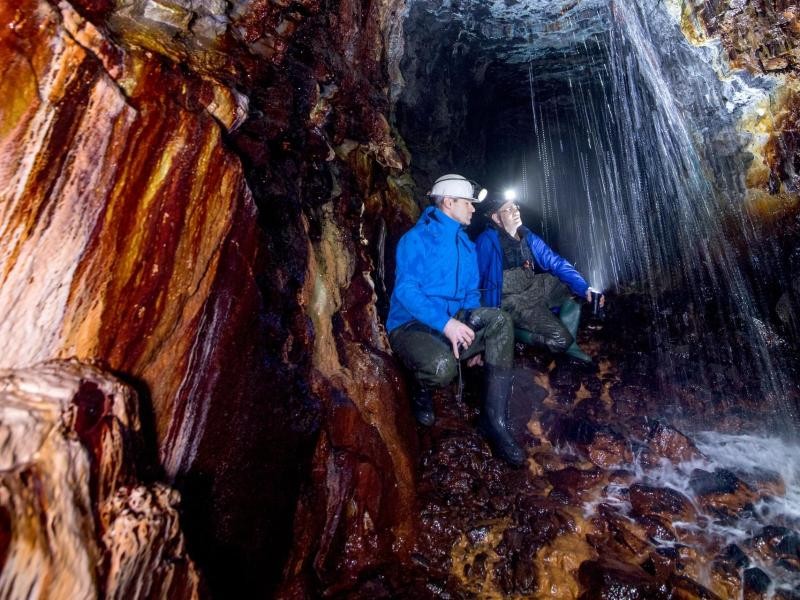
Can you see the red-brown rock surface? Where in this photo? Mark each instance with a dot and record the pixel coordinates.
(761, 37)
(131, 237)
(77, 522)
(119, 208)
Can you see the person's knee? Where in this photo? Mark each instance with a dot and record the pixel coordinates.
(560, 340)
(440, 371)
(500, 323)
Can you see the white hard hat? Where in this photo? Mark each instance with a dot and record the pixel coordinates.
(457, 186)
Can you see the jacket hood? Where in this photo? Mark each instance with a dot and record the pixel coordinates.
(435, 219)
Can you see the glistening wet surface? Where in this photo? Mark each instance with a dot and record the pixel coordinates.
(626, 492)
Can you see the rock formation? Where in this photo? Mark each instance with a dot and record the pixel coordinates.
(131, 237)
(204, 197)
(76, 521)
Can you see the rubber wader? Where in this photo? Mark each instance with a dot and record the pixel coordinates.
(494, 418)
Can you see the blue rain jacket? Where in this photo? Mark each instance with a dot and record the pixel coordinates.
(490, 264)
(436, 274)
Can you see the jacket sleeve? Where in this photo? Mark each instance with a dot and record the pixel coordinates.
(484, 250)
(490, 295)
(409, 285)
(557, 265)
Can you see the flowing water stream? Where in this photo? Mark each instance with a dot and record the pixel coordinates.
(625, 186)
(771, 501)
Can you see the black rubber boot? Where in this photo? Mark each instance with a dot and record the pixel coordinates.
(422, 405)
(570, 316)
(494, 418)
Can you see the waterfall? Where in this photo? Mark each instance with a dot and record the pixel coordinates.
(638, 201)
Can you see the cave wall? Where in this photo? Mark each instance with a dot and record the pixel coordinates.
(754, 48)
(114, 250)
(201, 200)
(78, 516)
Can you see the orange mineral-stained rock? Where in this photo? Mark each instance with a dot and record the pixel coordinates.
(75, 522)
(119, 204)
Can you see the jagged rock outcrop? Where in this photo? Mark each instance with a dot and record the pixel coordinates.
(123, 214)
(76, 520)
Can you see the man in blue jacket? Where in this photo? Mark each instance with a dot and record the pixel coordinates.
(520, 273)
(435, 318)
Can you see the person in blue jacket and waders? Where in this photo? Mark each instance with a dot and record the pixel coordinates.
(522, 275)
(435, 317)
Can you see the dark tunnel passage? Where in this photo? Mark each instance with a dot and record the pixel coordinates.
(625, 158)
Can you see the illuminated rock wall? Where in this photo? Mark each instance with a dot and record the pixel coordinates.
(131, 237)
(205, 199)
(119, 204)
(75, 521)
(760, 47)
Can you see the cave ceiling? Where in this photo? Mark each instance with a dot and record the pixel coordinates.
(557, 40)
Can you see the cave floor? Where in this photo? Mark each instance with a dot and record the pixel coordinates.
(617, 498)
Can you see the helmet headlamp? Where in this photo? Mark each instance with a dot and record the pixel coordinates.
(458, 186)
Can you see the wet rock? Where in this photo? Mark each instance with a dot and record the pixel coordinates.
(608, 449)
(478, 535)
(721, 491)
(774, 542)
(660, 563)
(601, 444)
(591, 408)
(764, 482)
(734, 556)
(790, 545)
(565, 378)
(790, 564)
(668, 442)
(661, 502)
(683, 588)
(608, 578)
(575, 483)
(755, 583)
(657, 528)
(544, 519)
(594, 385)
(549, 461)
(516, 576)
(478, 567)
(691, 559)
(721, 481)
(618, 536)
(621, 477)
(726, 579)
(628, 398)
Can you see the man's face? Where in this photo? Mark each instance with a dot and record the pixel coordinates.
(508, 217)
(458, 209)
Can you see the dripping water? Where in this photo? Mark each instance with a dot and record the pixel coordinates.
(631, 200)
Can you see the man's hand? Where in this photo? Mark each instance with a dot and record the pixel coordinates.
(459, 334)
(589, 298)
(475, 361)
